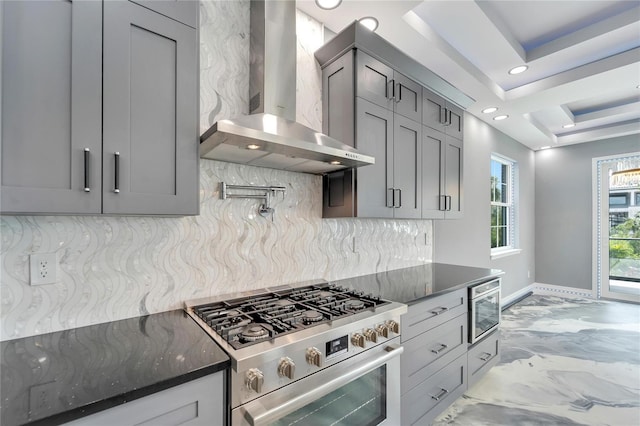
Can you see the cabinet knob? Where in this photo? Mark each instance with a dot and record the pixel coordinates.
(357, 340)
(314, 357)
(383, 330)
(370, 335)
(393, 326)
(286, 368)
(254, 380)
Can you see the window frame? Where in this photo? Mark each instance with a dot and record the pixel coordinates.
(510, 204)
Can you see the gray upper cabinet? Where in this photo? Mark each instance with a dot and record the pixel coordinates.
(383, 86)
(72, 98)
(51, 107)
(185, 11)
(337, 84)
(150, 130)
(441, 115)
(441, 175)
(407, 168)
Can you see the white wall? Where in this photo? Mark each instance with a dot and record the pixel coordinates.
(467, 241)
(118, 267)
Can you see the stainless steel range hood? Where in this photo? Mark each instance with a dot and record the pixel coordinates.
(269, 136)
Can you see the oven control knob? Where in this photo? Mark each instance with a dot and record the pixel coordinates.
(254, 379)
(383, 330)
(314, 357)
(370, 335)
(393, 326)
(357, 340)
(286, 368)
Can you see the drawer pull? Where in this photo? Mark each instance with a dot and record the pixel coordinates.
(439, 311)
(440, 349)
(485, 356)
(440, 395)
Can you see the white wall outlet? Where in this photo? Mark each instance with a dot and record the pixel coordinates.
(44, 268)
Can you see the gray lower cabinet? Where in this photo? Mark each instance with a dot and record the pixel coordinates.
(51, 106)
(90, 130)
(198, 402)
(482, 356)
(442, 166)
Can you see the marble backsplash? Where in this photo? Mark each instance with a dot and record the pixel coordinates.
(112, 268)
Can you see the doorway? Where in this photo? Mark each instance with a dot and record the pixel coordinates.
(617, 227)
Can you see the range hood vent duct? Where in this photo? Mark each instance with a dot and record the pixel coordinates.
(270, 136)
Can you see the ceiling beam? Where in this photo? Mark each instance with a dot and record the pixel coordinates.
(625, 128)
(502, 28)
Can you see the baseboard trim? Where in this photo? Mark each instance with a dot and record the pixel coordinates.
(510, 299)
(541, 288)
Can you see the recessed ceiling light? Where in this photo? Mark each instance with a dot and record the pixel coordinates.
(253, 146)
(369, 22)
(568, 126)
(489, 110)
(328, 4)
(500, 117)
(518, 70)
(545, 147)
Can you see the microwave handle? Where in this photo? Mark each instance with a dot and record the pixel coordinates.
(262, 416)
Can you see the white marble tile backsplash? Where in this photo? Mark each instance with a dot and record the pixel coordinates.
(112, 268)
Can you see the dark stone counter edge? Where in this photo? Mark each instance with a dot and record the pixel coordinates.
(467, 284)
(123, 398)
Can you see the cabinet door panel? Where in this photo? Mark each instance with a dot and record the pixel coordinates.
(185, 11)
(433, 144)
(453, 178)
(51, 113)
(433, 107)
(374, 80)
(407, 157)
(408, 98)
(456, 121)
(150, 112)
(337, 80)
(374, 183)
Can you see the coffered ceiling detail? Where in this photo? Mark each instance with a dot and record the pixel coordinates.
(583, 59)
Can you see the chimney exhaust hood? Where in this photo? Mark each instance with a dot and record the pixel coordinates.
(270, 136)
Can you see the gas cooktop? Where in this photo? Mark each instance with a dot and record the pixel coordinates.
(249, 320)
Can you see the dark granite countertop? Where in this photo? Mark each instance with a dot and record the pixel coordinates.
(57, 377)
(412, 285)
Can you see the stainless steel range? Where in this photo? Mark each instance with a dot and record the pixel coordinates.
(313, 353)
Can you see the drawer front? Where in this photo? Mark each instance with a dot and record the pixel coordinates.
(483, 356)
(429, 352)
(424, 316)
(423, 403)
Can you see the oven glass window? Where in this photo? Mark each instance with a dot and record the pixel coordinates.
(361, 402)
(487, 313)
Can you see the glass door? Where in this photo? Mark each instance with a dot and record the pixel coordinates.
(618, 254)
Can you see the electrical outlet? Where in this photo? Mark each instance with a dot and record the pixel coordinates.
(43, 268)
(41, 398)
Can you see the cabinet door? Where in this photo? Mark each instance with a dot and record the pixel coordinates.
(408, 97)
(433, 149)
(185, 11)
(407, 174)
(150, 113)
(453, 178)
(433, 110)
(51, 106)
(374, 80)
(374, 183)
(338, 99)
(455, 123)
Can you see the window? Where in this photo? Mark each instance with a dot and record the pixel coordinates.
(502, 204)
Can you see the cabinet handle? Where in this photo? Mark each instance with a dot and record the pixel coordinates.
(440, 310)
(443, 203)
(87, 186)
(116, 183)
(393, 198)
(399, 97)
(399, 198)
(485, 357)
(440, 349)
(393, 89)
(447, 203)
(439, 396)
(449, 118)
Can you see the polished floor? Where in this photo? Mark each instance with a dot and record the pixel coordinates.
(564, 362)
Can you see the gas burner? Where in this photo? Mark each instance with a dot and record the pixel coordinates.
(283, 302)
(254, 332)
(309, 317)
(354, 304)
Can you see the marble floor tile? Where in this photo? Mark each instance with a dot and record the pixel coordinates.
(563, 362)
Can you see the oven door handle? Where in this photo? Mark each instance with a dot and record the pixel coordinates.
(257, 414)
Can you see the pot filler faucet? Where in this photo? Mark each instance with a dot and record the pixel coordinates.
(264, 193)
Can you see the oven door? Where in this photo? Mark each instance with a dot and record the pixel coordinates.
(485, 314)
(362, 390)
